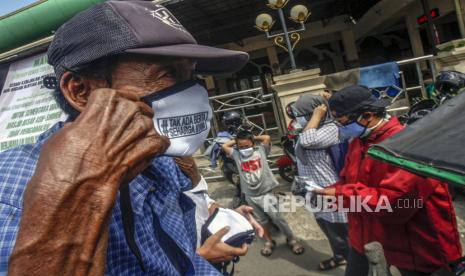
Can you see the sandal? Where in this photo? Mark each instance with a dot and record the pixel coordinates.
(296, 247)
(267, 249)
(331, 264)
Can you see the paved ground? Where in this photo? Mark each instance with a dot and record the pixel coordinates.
(283, 262)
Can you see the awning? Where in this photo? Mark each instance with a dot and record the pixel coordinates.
(433, 146)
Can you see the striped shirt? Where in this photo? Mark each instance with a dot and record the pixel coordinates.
(320, 167)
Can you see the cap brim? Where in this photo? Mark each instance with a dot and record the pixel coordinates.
(210, 60)
(372, 101)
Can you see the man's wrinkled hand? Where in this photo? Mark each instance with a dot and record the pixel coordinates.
(68, 201)
(111, 141)
(216, 251)
(189, 168)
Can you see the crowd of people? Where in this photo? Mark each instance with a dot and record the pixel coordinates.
(114, 190)
(417, 238)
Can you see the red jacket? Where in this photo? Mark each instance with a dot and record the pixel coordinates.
(422, 238)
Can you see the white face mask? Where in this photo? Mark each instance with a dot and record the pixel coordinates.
(246, 152)
(183, 114)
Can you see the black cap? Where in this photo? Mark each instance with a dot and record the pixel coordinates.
(353, 98)
(139, 27)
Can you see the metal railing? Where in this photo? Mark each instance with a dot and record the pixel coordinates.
(418, 64)
(243, 101)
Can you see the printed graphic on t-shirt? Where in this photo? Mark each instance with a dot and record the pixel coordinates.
(252, 169)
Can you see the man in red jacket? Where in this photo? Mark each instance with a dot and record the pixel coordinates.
(411, 216)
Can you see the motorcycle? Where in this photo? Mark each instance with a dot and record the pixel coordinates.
(217, 157)
(448, 84)
(287, 164)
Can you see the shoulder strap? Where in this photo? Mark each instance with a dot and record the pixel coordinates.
(127, 218)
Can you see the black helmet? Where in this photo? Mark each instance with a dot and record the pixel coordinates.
(289, 111)
(232, 118)
(427, 104)
(449, 82)
(419, 110)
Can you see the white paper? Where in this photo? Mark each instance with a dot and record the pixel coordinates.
(227, 217)
(310, 185)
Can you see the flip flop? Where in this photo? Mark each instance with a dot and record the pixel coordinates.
(296, 247)
(267, 249)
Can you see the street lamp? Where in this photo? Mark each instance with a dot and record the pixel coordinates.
(299, 14)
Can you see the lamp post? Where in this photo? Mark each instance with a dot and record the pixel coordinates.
(299, 14)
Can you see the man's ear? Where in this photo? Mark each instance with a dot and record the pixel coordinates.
(75, 89)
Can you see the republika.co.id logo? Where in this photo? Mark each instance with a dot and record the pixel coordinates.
(184, 125)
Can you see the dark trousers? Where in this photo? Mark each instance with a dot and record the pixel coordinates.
(337, 237)
(357, 265)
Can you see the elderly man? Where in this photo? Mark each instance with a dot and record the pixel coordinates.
(101, 193)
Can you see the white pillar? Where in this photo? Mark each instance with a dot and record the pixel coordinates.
(210, 83)
(459, 11)
(337, 59)
(222, 86)
(414, 36)
(350, 48)
(273, 60)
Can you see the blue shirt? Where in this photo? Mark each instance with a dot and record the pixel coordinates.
(161, 197)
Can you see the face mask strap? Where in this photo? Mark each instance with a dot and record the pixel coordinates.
(377, 125)
(156, 96)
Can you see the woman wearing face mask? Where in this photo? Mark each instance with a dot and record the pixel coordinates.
(315, 164)
(418, 231)
(257, 183)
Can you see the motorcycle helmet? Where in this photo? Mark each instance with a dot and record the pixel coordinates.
(422, 105)
(232, 119)
(418, 111)
(449, 82)
(415, 116)
(289, 111)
